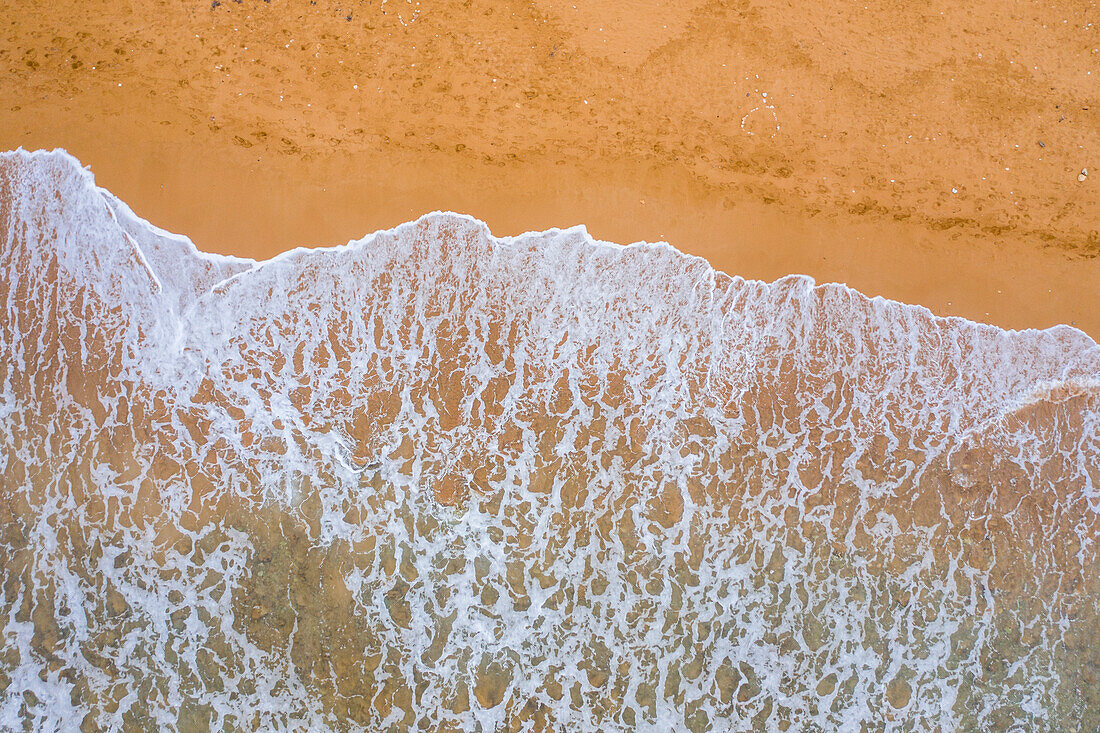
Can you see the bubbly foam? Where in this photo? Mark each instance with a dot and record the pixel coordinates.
(437, 479)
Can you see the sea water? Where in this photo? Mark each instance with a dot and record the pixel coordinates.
(441, 480)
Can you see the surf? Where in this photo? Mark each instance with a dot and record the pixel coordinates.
(439, 478)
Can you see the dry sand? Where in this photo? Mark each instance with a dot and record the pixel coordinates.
(928, 152)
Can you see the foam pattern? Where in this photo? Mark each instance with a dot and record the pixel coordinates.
(441, 480)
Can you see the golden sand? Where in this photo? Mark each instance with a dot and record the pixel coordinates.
(930, 153)
(250, 524)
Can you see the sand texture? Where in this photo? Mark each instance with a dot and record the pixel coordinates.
(929, 152)
(445, 478)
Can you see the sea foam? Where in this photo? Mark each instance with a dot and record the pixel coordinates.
(437, 479)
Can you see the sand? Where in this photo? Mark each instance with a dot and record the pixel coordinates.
(889, 518)
(929, 153)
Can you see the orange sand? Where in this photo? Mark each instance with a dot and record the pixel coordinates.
(897, 149)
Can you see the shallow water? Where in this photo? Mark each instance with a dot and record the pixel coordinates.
(439, 480)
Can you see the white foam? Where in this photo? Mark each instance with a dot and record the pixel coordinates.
(834, 455)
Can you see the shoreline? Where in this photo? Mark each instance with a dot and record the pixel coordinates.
(543, 130)
(1008, 284)
(497, 239)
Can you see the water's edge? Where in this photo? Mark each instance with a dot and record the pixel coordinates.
(438, 479)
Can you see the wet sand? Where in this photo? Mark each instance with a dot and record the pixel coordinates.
(936, 162)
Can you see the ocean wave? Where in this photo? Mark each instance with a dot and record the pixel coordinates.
(436, 478)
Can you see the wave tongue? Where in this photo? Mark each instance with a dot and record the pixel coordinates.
(439, 479)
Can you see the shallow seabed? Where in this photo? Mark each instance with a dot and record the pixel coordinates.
(439, 480)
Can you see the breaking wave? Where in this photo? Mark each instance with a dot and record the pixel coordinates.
(441, 480)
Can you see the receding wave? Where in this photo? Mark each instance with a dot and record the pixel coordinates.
(440, 480)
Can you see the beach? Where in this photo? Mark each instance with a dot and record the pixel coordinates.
(929, 155)
(386, 366)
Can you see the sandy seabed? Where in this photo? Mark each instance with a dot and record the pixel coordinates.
(437, 480)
